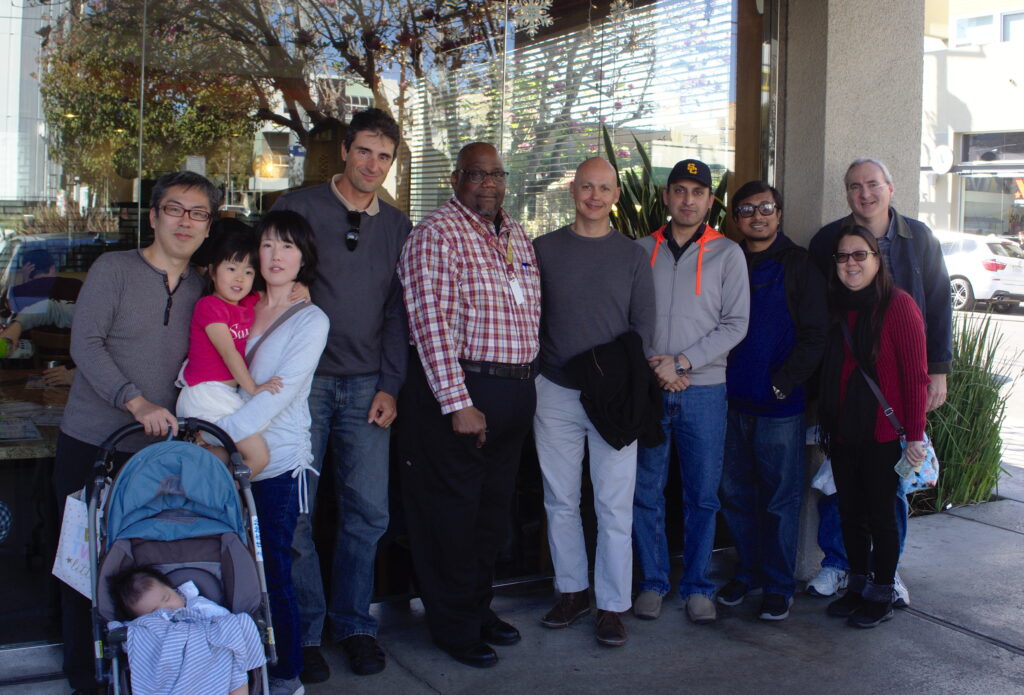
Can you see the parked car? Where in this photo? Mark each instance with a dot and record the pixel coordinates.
(982, 269)
(70, 255)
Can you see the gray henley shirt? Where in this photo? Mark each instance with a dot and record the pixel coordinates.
(121, 346)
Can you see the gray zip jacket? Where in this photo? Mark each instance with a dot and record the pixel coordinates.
(703, 301)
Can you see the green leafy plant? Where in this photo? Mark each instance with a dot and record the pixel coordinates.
(641, 211)
(966, 430)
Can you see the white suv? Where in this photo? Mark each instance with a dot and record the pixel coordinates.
(982, 268)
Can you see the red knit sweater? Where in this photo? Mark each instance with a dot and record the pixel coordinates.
(902, 368)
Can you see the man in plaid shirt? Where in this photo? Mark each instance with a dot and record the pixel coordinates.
(472, 293)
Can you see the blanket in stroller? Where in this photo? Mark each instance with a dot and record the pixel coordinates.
(186, 651)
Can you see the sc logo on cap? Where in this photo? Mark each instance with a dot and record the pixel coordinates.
(692, 168)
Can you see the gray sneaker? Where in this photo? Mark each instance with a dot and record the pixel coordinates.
(701, 609)
(647, 605)
(292, 686)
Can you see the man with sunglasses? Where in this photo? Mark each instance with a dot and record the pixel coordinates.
(763, 472)
(129, 338)
(473, 295)
(353, 400)
(914, 258)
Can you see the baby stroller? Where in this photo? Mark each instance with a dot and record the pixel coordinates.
(175, 506)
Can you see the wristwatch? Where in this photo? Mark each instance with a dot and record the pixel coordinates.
(680, 371)
(779, 395)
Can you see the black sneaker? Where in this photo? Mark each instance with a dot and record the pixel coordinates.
(871, 614)
(775, 607)
(314, 667)
(364, 654)
(733, 593)
(845, 606)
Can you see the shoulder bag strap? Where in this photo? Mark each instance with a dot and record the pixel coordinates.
(886, 408)
(288, 313)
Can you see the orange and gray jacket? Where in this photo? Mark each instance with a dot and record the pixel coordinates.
(703, 301)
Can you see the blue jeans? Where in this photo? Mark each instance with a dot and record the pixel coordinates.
(339, 408)
(695, 420)
(762, 486)
(830, 530)
(277, 504)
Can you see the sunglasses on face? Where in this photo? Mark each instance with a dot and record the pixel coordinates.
(859, 256)
(352, 235)
(766, 208)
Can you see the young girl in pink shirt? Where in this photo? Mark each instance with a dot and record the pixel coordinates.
(216, 366)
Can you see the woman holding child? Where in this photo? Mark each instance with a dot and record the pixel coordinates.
(285, 341)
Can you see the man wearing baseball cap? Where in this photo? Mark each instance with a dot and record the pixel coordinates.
(703, 300)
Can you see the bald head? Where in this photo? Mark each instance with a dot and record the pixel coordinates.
(595, 166)
(594, 190)
(480, 161)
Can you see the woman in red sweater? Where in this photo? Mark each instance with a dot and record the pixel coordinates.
(887, 334)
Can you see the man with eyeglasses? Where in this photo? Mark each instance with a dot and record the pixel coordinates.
(763, 472)
(914, 258)
(353, 400)
(129, 338)
(473, 295)
(702, 299)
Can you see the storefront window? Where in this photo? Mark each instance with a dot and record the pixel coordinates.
(101, 97)
(992, 173)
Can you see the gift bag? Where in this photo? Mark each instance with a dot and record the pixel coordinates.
(927, 475)
(71, 565)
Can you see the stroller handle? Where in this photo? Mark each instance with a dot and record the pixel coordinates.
(190, 425)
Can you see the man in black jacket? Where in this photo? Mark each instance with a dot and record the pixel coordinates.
(914, 259)
(763, 473)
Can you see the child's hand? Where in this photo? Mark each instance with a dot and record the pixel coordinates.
(299, 293)
(273, 384)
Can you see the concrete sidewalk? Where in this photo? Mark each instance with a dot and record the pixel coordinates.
(964, 633)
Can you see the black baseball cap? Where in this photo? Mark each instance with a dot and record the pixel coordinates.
(692, 169)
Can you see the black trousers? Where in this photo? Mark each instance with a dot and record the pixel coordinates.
(866, 483)
(72, 469)
(457, 497)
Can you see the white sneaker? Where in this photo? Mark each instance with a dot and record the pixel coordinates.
(828, 582)
(902, 599)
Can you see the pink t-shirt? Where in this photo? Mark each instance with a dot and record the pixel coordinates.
(204, 362)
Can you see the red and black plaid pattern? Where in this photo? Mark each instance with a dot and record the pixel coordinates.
(458, 294)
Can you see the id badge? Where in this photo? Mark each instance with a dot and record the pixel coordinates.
(517, 290)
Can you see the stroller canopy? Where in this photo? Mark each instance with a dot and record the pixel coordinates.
(173, 490)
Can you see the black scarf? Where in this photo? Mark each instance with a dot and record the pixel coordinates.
(853, 420)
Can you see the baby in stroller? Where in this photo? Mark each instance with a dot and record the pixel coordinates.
(217, 648)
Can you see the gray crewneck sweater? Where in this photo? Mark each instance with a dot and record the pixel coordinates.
(121, 346)
(358, 290)
(592, 291)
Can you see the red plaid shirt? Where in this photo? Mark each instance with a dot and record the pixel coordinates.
(458, 293)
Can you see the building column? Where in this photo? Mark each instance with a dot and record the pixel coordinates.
(853, 86)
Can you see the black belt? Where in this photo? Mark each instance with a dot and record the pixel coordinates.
(500, 369)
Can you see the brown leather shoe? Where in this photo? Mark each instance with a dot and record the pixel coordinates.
(570, 608)
(610, 630)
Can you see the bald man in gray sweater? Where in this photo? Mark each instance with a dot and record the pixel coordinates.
(596, 285)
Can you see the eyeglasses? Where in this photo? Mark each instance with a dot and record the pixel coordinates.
(477, 176)
(195, 214)
(747, 210)
(352, 235)
(859, 256)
